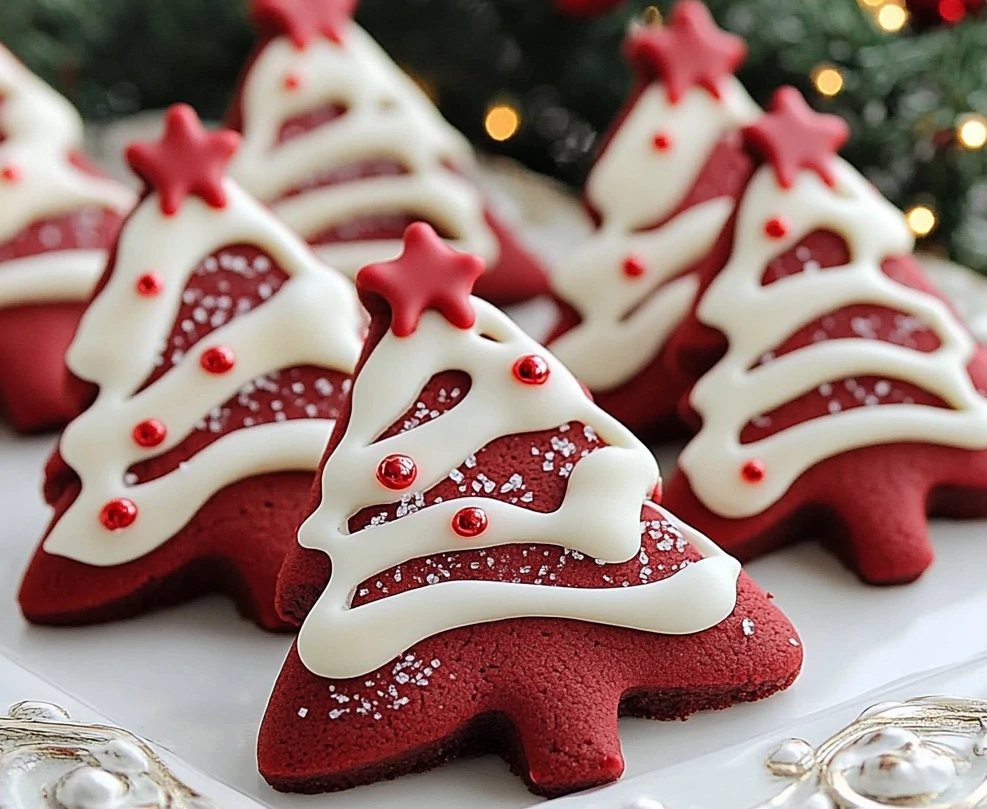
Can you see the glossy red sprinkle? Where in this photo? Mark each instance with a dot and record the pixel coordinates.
(150, 284)
(397, 472)
(150, 433)
(532, 370)
(776, 228)
(292, 81)
(118, 513)
(662, 142)
(10, 173)
(634, 267)
(656, 493)
(218, 359)
(753, 471)
(470, 522)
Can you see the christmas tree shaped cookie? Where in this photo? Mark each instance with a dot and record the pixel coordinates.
(57, 219)
(850, 402)
(662, 190)
(348, 150)
(218, 352)
(485, 570)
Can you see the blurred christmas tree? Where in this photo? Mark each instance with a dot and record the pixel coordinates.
(540, 79)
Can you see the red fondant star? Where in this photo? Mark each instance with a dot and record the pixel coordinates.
(303, 20)
(691, 51)
(427, 275)
(187, 160)
(793, 137)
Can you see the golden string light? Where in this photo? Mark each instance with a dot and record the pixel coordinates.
(828, 80)
(891, 17)
(502, 122)
(971, 131)
(921, 219)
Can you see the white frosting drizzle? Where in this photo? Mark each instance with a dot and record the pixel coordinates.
(387, 116)
(757, 318)
(42, 128)
(311, 320)
(633, 185)
(600, 515)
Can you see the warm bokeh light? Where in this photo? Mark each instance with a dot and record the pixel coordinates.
(892, 18)
(921, 220)
(971, 130)
(828, 80)
(872, 3)
(502, 122)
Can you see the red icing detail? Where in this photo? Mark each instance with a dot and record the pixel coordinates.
(428, 275)
(292, 81)
(397, 472)
(302, 20)
(83, 229)
(470, 522)
(776, 228)
(218, 359)
(690, 51)
(634, 267)
(306, 122)
(187, 160)
(793, 136)
(150, 433)
(662, 142)
(531, 370)
(118, 513)
(149, 285)
(753, 471)
(11, 173)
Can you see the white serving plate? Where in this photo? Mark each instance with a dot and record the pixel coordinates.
(194, 680)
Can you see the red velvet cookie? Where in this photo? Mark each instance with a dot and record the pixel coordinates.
(663, 192)
(483, 571)
(349, 151)
(211, 366)
(58, 217)
(849, 403)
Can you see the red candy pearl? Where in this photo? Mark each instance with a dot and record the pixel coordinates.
(149, 285)
(662, 142)
(753, 471)
(11, 173)
(292, 81)
(218, 359)
(397, 472)
(470, 522)
(656, 493)
(776, 228)
(634, 267)
(118, 513)
(150, 433)
(532, 370)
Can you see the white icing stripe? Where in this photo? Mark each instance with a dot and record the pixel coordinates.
(387, 116)
(63, 275)
(600, 515)
(167, 503)
(757, 318)
(311, 320)
(632, 186)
